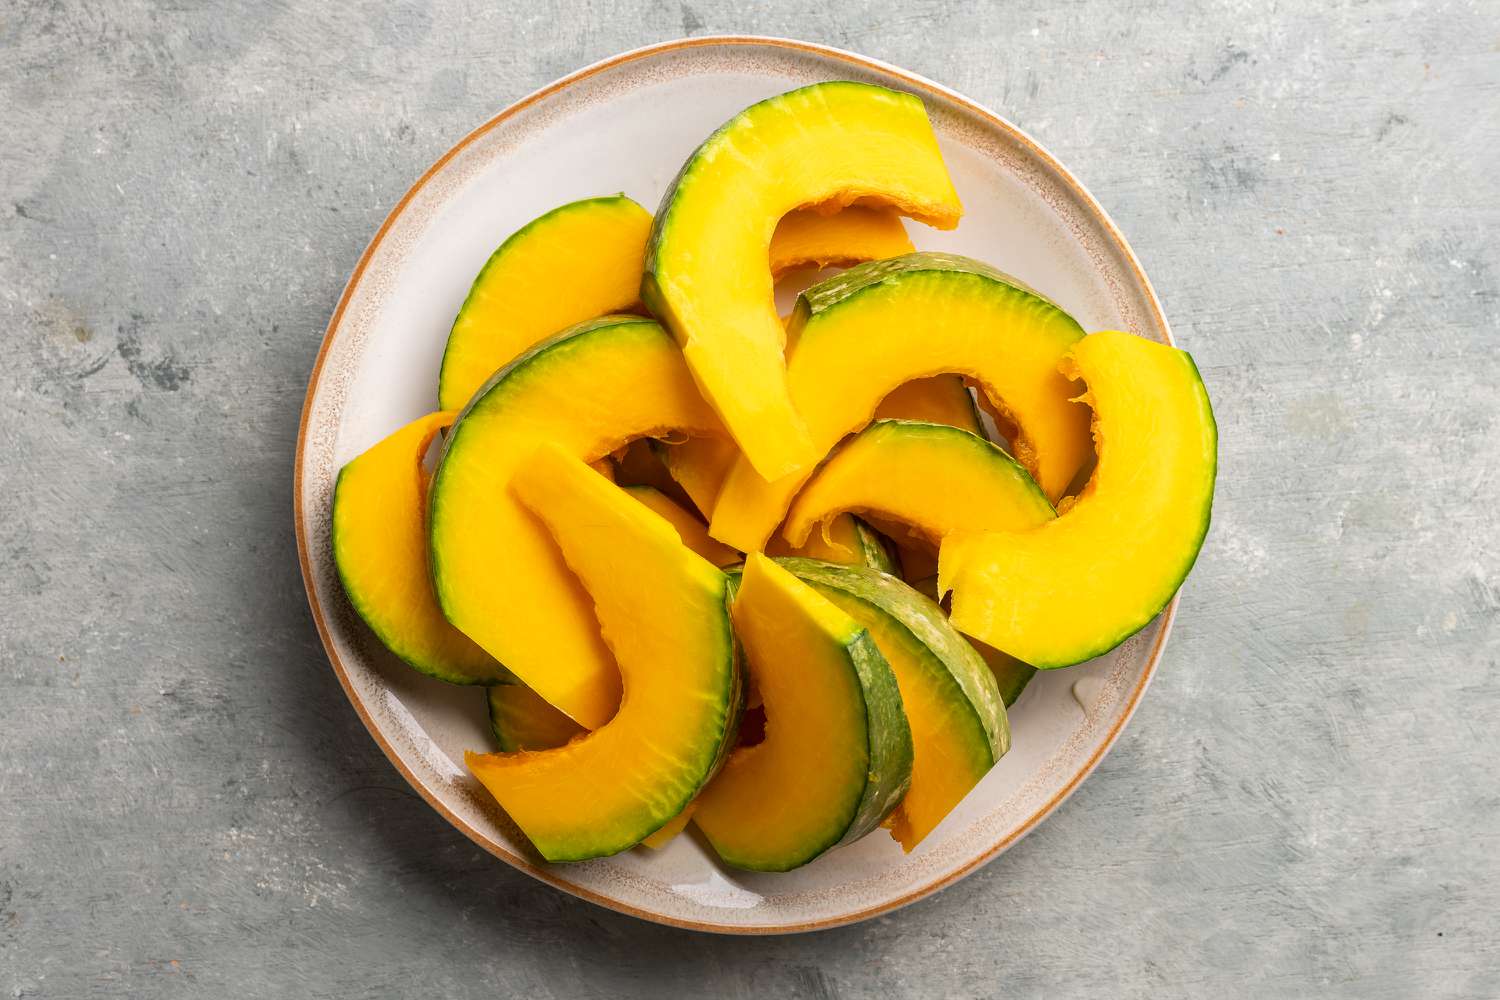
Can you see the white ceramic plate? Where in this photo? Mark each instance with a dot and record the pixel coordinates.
(626, 124)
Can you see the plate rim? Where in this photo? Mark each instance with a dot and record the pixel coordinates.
(526, 865)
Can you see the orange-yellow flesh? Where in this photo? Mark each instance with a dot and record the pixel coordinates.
(836, 542)
(380, 546)
(808, 237)
(941, 399)
(847, 360)
(699, 465)
(1124, 547)
(499, 577)
(639, 464)
(801, 785)
(605, 467)
(662, 611)
(692, 531)
(523, 721)
(574, 263)
(831, 145)
(950, 751)
(933, 478)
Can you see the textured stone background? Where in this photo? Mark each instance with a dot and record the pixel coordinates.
(1307, 802)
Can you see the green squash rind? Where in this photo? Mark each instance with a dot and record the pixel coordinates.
(949, 652)
(888, 745)
(392, 641)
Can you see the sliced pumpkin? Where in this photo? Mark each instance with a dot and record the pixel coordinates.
(498, 576)
(693, 532)
(1076, 587)
(574, 263)
(932, 478)
(706, 276)
(668, 623)
(862, 333)
(956, 712)
(808, 237)
(522, 720)
(837, 753)
(843, 539)
(380, 549)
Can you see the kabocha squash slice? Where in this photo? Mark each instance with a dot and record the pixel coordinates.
(706, 276)
(812, 238)
(498, 575)
(575, 263)
(693, 532)
(955, 711)
(668, 623)
(1076, 587)
(380, 549)
(862, 333)
(1011, 675)
(836, 757)
(931, 478)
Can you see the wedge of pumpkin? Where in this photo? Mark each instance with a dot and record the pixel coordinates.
(930, 478)
(837, 752)
(904, 318)
(497, 574)
(668, 624)
(380, 549)
(952, 704)
(830, 144)
(575, 263)
(1076, 587)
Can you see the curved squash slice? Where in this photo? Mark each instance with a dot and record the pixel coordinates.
(499, 578)
(932, 478)
(1011, 675)
(577, 262)
(1078, 586)
(910, 317)
(830, 144)
(380, 548)
(811, 238)
(693, 532)
(957, 717)
(836, 758)
(522, 720)
(843, 539)
(668, 624)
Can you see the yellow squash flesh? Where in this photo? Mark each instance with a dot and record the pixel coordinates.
(830, 144)
(693, 532)
(572, 264)
(932, 478)
(812, 238)
(862, 333)
(499, 577)
(380, 549)
(836, 757)
(667, 622)
(1078, 586)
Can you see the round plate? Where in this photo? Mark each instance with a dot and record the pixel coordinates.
(627, 124)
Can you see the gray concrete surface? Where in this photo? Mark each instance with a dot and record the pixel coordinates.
(1307, 803)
